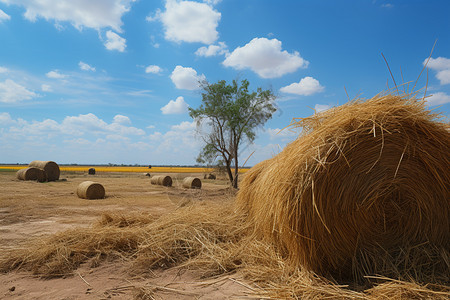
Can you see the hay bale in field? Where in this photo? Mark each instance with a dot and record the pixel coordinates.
(50, 167)
(161, 180)
(90, 190)
(192, 183)
(32, 174)
(364, 184)
(209, 176)
(91, 171)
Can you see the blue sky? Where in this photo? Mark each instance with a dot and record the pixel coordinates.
(110, 81)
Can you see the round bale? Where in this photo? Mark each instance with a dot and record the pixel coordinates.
(209, 176)
(90, 190)
(161, 180)
(32, 174)
(192, 183)
(365, 185)
(91, 171)
(51, 168)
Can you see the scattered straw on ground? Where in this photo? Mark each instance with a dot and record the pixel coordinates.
(210, 238)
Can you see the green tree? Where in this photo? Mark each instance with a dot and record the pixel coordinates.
(232, 114)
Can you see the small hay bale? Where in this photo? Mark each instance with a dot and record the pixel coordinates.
(32, 174)
(210, 176)
(161, 180)
(51, 168)
(192, 183)
(90, 190)
(363, 185)
(91, 171)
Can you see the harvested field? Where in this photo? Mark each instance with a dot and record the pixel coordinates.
(147, 241)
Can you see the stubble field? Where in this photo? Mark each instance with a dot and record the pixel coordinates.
(30, 211)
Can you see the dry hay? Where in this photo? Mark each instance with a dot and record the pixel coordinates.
(161, 180)
(32, 174)
(91, 171)
(209, 238)
(209, 176)
(148, 243)
(91, 190)
(364, 190)
(50, 167)
(192, 183)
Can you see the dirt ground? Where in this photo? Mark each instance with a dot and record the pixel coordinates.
(31, 209)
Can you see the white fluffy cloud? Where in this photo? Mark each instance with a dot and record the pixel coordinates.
(322, 107)
(212, 50)
(212, 2)
(183, 126)
(46, 88)
(4, 16)
(438, 99)
(91, 124)
(81, 125)
(5, 119)
(440, 63)
(84, 138)
(186, 78)
(179, 106)
(115, 41)
(85, 67)
(153, 69)
(189, 21)
(282, 133)
(3, 70)
(442, 66)
(80, 13)
(179, 142)
(265, 58)
(12, 92)
(444, 76)
(120, 119)
(55, 75)
(307, 86)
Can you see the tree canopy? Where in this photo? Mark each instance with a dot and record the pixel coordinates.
(232, 115)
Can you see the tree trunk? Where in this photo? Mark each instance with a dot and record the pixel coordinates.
(230, 174)
(236, 170)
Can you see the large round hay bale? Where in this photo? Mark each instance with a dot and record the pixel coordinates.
(50, 167)
(161, 180)
(209, 176)
(90, 190)
(32, 174)
(364, 184)
(192, 183)
(91, 171)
